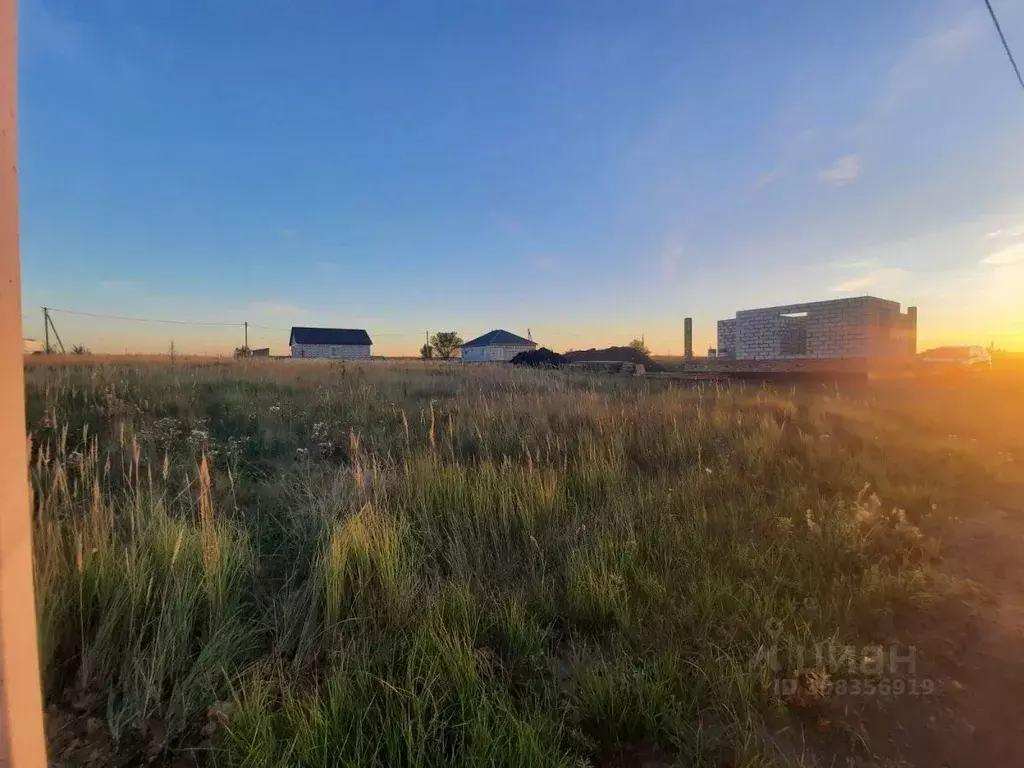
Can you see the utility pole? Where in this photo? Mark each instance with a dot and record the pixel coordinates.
(172, 350)
(246, 334)
(48, 322)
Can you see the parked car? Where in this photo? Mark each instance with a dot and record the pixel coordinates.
(971, 357)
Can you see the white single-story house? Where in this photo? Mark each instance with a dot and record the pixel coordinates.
(495, 345)
(330, 343)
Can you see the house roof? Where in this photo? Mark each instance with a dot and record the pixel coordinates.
(499, 337)
(351, 336)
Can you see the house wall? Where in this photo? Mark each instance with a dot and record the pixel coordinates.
(332, 351)
(493, 352)
(860, 327)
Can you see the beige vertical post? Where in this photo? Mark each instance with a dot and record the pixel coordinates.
(21, 715)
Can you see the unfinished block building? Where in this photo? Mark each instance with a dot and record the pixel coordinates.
(862, 327)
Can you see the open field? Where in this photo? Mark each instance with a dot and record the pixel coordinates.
(400, 564)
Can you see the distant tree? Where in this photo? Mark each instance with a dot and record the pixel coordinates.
(639, 346)
(79, 349)
(446, 343)
(426, 351)
(242, 352)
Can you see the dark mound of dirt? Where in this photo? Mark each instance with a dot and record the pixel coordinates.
(540, 358)
(615, 354)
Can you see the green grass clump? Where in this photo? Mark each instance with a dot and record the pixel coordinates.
(142, 597)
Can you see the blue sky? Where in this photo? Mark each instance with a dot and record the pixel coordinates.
(592, 171)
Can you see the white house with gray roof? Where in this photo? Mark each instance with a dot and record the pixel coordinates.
(330, 343)
(494, 346)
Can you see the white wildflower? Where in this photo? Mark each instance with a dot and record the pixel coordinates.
(868, 509)
(812, 526)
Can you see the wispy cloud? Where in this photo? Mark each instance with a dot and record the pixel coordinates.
(916, 68)
(843, 171)
(327, 266)
(919, 64)
(288, 233)
(769, 178)
(876, 279)
(954, 40)
(1014, 254)
(114, 283)
(1007, 233)
(270, 307)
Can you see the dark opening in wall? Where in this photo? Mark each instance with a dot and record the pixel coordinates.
(793, 333)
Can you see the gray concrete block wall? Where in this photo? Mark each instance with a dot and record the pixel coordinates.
(332, 351)
(892, 333)
(727, 338)
(862, 326)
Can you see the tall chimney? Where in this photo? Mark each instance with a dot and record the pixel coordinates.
(688, 338)
(912, 330)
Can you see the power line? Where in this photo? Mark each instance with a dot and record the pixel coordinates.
(193, 322)
(239, 325)
(1006, 45)
(276, 328)
(143, 319)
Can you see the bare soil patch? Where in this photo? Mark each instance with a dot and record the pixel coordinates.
(968, 675)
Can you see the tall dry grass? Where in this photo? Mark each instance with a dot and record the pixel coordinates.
(435, 565)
